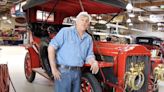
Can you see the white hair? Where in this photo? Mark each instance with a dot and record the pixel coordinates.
(84, 14)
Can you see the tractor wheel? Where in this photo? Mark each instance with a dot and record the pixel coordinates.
(30, 75)
(89, 83)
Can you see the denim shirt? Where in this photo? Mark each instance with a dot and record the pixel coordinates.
(70, 49)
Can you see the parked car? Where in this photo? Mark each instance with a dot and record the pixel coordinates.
(123, 34)
(153, 41)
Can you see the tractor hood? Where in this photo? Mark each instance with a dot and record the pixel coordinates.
(110, 49)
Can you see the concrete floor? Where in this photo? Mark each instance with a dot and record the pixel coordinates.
(14, 57)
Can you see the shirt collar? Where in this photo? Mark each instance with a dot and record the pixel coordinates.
(75, 30)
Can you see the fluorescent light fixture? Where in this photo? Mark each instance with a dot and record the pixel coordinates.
(131, 15)
(92, 27)
(9, 21)
(130, 24)
(13, 15)
(94, 15)
(140, 18)
(129, 6)
(4, 17)
(102, 22)
(99, 17)
(159, 24)
(23, 3)
(135, 9)
(162, 6)
(128, 20)
(153, 7)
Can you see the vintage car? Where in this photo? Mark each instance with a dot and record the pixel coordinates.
(123, 68)
(123, 35)
(154, 41)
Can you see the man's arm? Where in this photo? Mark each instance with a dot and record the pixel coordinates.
(91, 59)
(55, 44)
(94, 65)
(52, 60)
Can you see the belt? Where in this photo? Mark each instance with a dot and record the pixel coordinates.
(69, 67)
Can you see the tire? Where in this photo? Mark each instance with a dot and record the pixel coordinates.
(89, 81)
(44, 59)
(29, 74)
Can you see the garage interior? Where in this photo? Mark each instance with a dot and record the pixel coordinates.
(143, 18)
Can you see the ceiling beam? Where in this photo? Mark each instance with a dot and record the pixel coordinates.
(150, 1)
(141, 5)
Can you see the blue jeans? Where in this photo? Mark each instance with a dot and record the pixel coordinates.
(69, 82)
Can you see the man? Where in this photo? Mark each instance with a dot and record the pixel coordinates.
(68, 51)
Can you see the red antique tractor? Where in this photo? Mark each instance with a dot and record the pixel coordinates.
(123, 68)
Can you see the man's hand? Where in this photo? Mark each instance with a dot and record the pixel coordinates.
(52, 60)
(94, 67)
(56, 74)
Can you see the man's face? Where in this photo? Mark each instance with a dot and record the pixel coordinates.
(82, 23)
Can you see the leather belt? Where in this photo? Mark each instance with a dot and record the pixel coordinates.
(69, 67)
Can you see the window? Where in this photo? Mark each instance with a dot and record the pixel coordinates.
(42, 16)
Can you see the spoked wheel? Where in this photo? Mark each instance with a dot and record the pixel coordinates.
(89, 83)
(30, 75)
